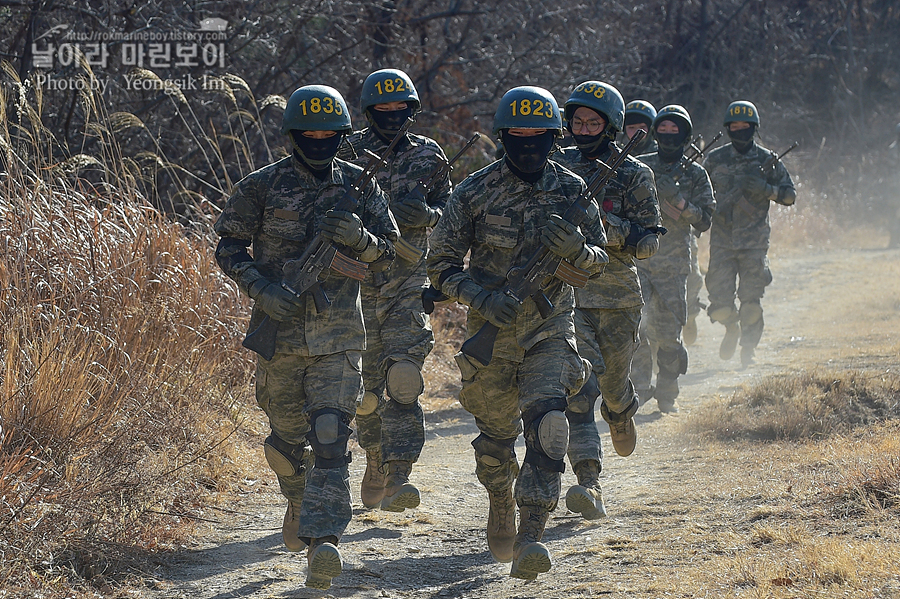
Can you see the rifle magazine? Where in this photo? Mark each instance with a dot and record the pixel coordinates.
(574, 276)
(350, 268)
(408, 251)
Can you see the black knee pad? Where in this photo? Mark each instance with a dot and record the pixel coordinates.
(329, 434)
(581, 405)
(494, 452)
(285, 459)
(674, 362)
(547, 438)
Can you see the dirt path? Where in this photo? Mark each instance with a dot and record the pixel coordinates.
(822, 308)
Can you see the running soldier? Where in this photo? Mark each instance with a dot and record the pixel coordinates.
(312, 385)
(398, 332)
(686, 200)
(739, 239)
(504, 214)
(608, 309)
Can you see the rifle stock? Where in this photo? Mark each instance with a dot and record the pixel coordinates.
(528, 280)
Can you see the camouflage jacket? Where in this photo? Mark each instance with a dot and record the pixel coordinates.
(674, 255)
(742, 223)
(630, 197)
(278, 209)
(498, 217)
(410, 161)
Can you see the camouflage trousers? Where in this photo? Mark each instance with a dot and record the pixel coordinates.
(662, 319)
(497, 395)
(288, 388)
(743, 274)
(608, 340)
(694, 280)
(396, 329)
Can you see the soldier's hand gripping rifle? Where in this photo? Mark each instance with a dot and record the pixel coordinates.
(765, 170)
(406, 250)
(527, 281)
(677, 171)
(302, 275)
(768, 167)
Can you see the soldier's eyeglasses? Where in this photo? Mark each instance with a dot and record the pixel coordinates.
(592, 126)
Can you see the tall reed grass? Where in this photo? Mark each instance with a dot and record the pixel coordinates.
(122, 380)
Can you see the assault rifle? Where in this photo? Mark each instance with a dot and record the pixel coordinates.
(768, 167)
(677, 171)
(765, 169)
(527, 280)
(406, 250)
(302, 275)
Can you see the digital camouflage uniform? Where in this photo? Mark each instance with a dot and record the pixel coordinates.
(498, 217)
(535, 367)
(664, 276)
(318, 361)
(397, 328)
(739, 237)
(608, 309)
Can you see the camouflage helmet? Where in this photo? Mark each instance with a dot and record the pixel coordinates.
(528, 107)
(388, 85)
(741, 111)
(316, 108)
(640, 108)
(677, 114)
(600, 97)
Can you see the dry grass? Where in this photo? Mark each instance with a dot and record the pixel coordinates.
(121, 387)
(801, 406)
(806, 469)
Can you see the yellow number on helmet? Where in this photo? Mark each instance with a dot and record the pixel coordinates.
(315, 104)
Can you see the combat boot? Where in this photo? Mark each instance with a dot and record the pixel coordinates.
(324, 561)
(689, 331)
(585, 498)
(501, 525)
(666, 392)
(399, 493)
(290, 528)
(747, 354)
(624, 436)
(371, 491)
(730, 341)
(530, 556)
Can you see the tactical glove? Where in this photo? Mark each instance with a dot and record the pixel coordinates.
(667, 188)
(755, 187)
(497, 307)
(562, 238)
(345, 228)
(412, 212)
(277, 302)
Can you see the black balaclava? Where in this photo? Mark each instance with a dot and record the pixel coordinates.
(742, 139)
(592, 146)
(316, 154)
(527, 156)
(387, 123)
(671, 145)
